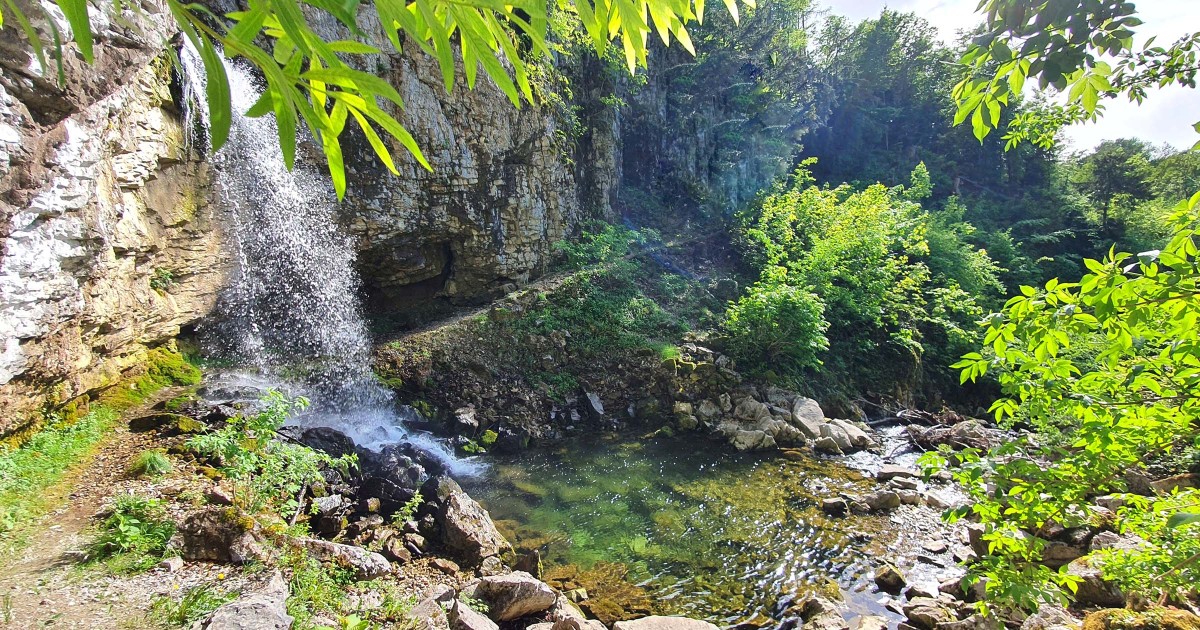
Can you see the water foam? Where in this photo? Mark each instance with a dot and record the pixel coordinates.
(290, 313)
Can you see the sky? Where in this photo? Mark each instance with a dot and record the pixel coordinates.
(1167, 115)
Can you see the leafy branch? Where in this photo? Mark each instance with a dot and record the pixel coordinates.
(315, 82)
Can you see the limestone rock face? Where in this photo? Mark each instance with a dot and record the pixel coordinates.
(502, 191)
(108, 243)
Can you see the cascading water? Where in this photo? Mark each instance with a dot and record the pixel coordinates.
(290, 313)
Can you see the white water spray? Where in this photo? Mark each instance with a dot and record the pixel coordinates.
(290, 312)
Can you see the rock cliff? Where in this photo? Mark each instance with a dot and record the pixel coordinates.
(109, 243)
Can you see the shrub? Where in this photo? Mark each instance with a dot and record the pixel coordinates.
(777, 325)
(268, 474)
(134, 537)
(152, 463)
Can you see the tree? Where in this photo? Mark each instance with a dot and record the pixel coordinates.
(1106, 371)
(1081, 48)
(315, 81)
(1103, 374)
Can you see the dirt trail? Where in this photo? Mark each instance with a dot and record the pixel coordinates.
(41, 585)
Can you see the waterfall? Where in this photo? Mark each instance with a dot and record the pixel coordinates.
(290, 314)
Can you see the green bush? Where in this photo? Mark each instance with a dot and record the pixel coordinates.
(777, 326)
(267, 474)
(134, 537)
(857, 281)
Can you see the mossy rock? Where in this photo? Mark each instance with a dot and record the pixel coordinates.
(1153, 619)
(169, 424)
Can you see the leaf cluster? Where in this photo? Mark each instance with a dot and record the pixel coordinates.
(1137, 396)
(268, 474)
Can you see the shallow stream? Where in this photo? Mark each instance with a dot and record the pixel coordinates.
(687, 527)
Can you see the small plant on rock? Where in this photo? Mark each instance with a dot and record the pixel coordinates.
(152, 463)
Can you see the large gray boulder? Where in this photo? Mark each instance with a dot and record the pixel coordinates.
(265, 609)
(367, 565)
(428, 614)
(663, 623)
(220, 534)
(808, 417)
(467, 529)
(463, 617)
(858, 437)
(839, 437)
(511, 596)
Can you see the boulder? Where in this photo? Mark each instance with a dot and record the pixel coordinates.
(827, 445)
(511, 596)
(708, 411)
(889, 578)
(869, 622)
(1057, 554)
(1048, 617)
(463, 617)
(973, 622)
(264, 609)
(751, 440)
(329, 441)
(858, 437)
(568, 624)
(750, 410)
(1153, 619)
(428, 614)
(888, 472)
(663, 623)
(820, 613)
(466, 527)
(220, 535)
(1093, 589)
(808, 417)
(367, 565)
(835, 506)
(926, 613)
(1178, 482)
(883, 500)
(838, 436)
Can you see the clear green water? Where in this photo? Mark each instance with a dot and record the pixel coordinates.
(696, 529)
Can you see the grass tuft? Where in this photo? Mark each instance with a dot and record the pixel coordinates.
(152, 463)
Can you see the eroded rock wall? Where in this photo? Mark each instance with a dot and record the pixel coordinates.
(504, 188)
(109, 243)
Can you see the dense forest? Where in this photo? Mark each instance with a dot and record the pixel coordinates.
(750, 315)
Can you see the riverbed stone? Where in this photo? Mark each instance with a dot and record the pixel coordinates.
(367, 565)
(838, 436)
(466, 528)
(827, 445)
(264, 609)
(511, 596)
(858, 437)
(927, 613)
(428, 614)
(883, 500)
(663, 623)
(808, 417)
(889, 578)
(463, 617)
(868, 622)
(836, 506)
(888, 472)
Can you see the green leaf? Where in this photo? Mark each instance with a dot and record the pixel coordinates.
(76, 12)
